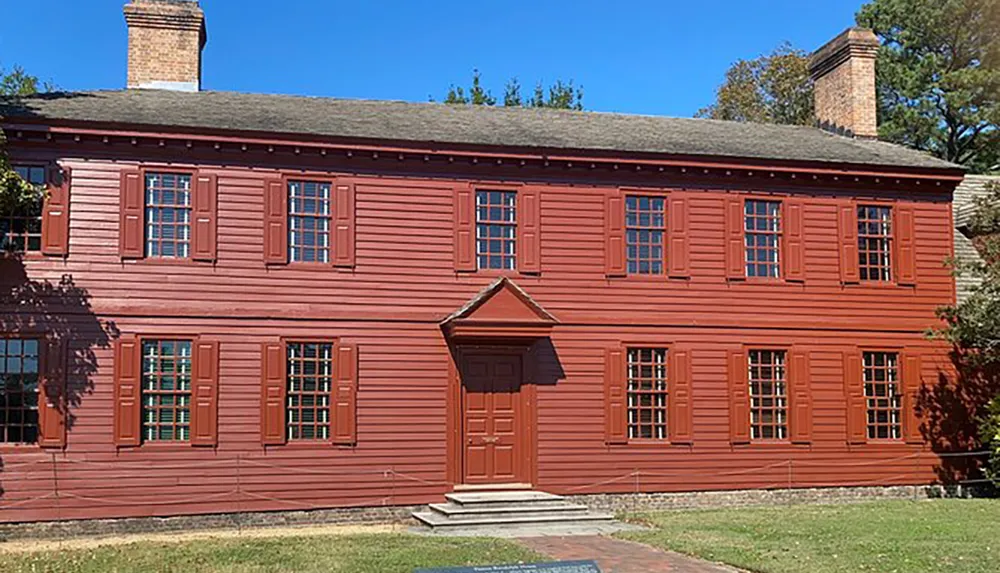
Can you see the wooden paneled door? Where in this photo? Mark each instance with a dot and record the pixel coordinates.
(493, 421)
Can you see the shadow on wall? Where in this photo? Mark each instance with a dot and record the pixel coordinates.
(951, 410)
(57, 312)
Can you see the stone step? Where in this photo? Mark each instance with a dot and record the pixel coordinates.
(488, 498)
(454, 510)
(438, 521)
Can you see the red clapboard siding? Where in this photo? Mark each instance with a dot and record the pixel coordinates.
(411, 233)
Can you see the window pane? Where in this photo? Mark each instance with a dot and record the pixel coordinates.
(768, 398)
(168, 215)
(166, 389)
(21, 229)
(309, 209)
(645, 229)
(18, 390)
(762, 226)
(309, 380)
(496, 230)
(880, 373)
(646, 373)
(875, 243)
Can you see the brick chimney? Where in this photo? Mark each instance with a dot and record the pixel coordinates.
(843, 74)
(165, 39)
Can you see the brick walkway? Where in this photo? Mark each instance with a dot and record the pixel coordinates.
(617, 556)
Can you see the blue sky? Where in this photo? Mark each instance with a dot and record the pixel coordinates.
(657, 57)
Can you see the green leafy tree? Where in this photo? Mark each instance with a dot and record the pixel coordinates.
(773, 88)
(938, 76)
(15, 194)
(973, 326)
(560, 95)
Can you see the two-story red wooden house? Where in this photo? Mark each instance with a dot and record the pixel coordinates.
(235, 302)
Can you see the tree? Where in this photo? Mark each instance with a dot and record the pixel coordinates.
(774, 88)
(973, 329)
(15, 193)
(560, 95)
(938, 76)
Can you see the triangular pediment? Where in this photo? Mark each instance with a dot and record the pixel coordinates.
(501, 303)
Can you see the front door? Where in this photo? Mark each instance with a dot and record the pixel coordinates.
(491, 418)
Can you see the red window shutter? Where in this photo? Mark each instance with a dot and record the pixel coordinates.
(739, 398)
(857, 406)
(680, 418)
(205, 394)
(203, 226)
(465, 228)
(131, 232)
(272, 395)
(679, 252)
(795, 244)
(529, 227)
(614, 234)
(345, 396)
(912, 385)
(52, 401)
(800, 398)
(128, 390)
(275, 222)
(615, 407)
(847, 219)
(906, 249)
(343, 224)
(735, 242)
(55, 214)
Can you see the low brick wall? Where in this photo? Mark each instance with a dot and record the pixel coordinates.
(636, 502)
(617, 503)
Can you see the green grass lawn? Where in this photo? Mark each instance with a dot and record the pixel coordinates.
(950, 536)
(364, 553)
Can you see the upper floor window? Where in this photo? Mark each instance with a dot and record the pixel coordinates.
(875, 243)
(762, 227)
(768, 395)
(496, 229)
(309, 385)
(168, 215)
(166, 390)
(21, 229)
(309, 208)
(645, 229)
(19, 390)
(647, 393)
(881, 378)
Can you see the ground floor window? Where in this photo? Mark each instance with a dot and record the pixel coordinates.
(166, 390)
(309, 383)
(19, 366)
(881, 377)
(768, 395)
(647, 393)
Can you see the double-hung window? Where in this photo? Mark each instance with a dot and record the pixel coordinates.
(646, 380)
(309, 214)
(168, 215)
(309, 381)
(875, 243)
(768, 395)
(880, 372)
(19, 379)
(762, 232)
(166, 390)
(645, 234)
(496, 229)
(21, 227)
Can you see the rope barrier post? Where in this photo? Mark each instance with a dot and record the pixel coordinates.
(239, 497)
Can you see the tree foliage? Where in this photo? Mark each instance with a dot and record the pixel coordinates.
(15, 193)
(773, 88)
(973, 326)
(938, 76)
(560, 95)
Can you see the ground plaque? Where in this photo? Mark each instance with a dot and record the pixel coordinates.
(588, 566)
